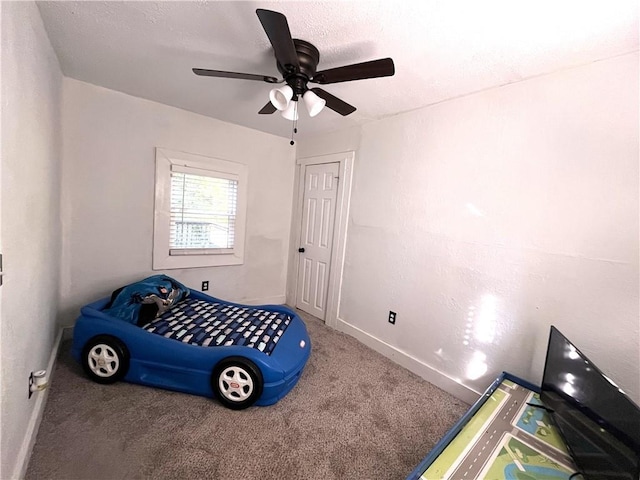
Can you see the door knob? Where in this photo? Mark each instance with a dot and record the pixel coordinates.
(301, 250)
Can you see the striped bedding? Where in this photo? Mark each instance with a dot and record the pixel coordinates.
(219, 324)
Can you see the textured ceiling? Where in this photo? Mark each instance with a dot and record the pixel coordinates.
(441, 49)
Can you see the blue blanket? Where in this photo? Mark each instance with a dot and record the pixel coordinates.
(143, 301)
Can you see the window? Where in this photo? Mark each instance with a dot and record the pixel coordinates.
(200, 207)
(202, 212)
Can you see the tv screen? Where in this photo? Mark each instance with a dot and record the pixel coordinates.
(599, 422)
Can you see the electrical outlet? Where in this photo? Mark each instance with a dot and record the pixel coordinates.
(392, 317)
(30, 384)
(205, 285)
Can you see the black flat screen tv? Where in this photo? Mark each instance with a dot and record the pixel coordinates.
(598, 421)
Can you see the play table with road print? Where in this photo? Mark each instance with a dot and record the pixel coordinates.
(505, 435)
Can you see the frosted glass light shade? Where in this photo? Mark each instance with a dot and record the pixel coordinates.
(291, 112)
(280, 97)
(314, 103)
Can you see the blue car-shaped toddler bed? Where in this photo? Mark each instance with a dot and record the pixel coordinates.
(157, 332)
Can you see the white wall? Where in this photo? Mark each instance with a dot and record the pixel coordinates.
(30, 232)
(108, 196)
(485, 219)
(339, 141)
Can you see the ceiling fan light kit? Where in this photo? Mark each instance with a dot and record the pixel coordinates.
(280, 97)
(297, 61)
(314, 103)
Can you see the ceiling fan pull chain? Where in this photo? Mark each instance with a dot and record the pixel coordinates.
(294, 124)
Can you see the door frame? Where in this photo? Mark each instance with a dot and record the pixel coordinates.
(343, 197)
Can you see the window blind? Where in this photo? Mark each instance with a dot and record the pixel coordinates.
(202, 213)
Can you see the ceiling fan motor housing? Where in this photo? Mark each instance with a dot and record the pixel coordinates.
(308, 58)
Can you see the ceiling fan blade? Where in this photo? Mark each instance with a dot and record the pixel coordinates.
(244, 76)
(358, 71)
(334, 103)
(277, 29)
(267, 109)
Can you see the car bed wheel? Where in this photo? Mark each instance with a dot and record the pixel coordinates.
(237, 382)
(105, 359)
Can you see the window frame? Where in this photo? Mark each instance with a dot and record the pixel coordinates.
(162, 257)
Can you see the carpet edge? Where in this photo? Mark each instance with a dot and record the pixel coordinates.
(424, 371)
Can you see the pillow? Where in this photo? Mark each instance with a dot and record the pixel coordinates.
(143, 301)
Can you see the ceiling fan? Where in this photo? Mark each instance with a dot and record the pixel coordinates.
(297, 61)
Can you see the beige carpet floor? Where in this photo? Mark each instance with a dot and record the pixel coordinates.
(354, 415)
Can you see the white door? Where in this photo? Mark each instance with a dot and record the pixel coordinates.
(316, 237)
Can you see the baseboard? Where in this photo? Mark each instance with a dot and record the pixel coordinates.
(412, 364)
(29, 441)
(276, 300)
